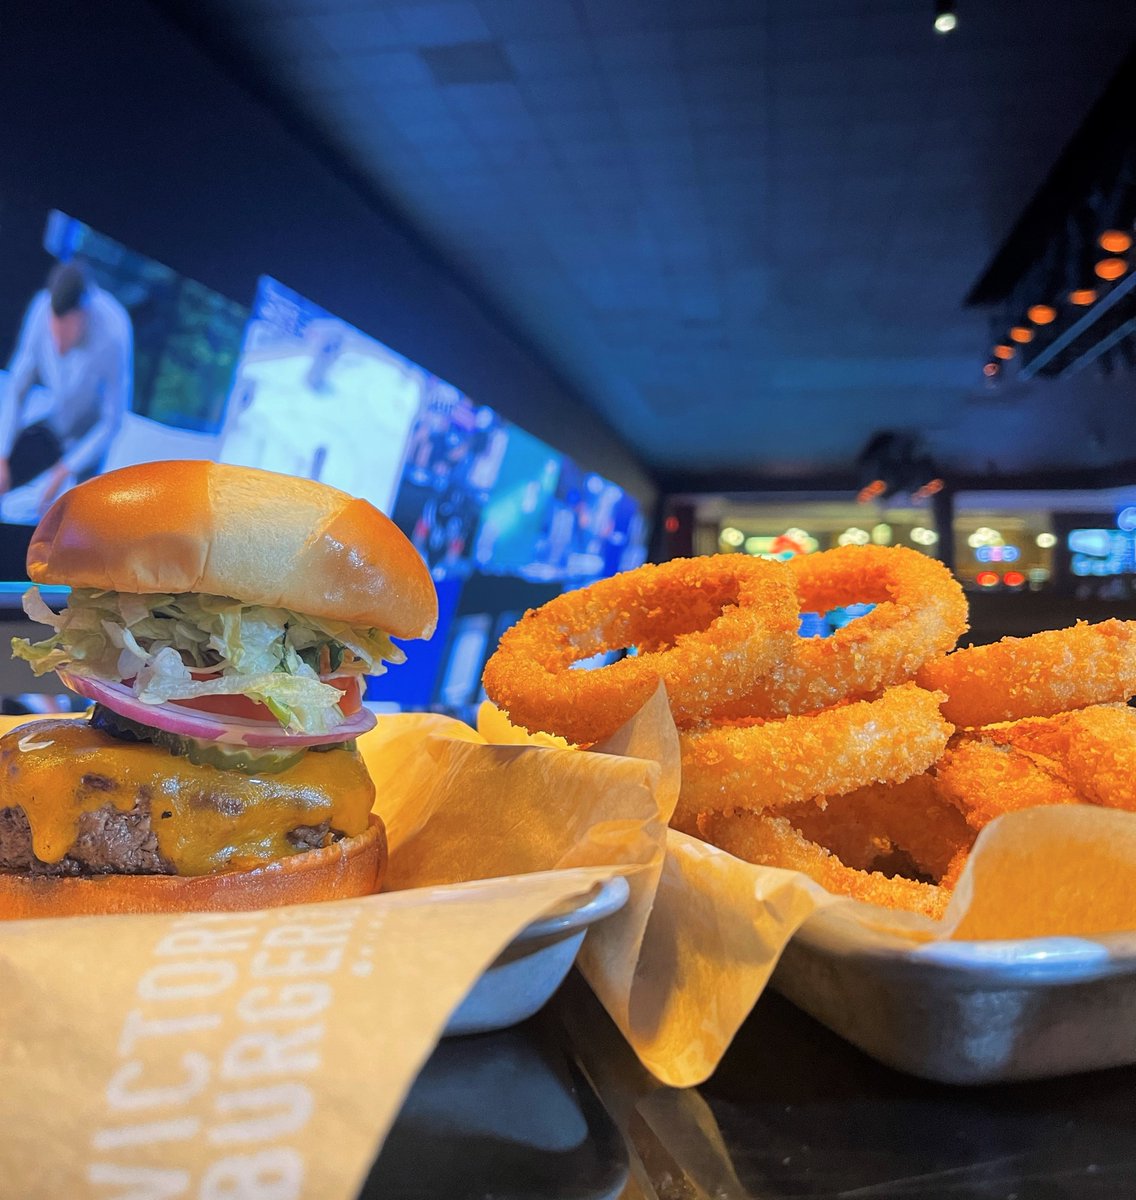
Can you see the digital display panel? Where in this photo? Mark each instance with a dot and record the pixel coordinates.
(185, 336)
(414, 683)
(593, 529)
(314, 397)
(489, 604)
(515, 511)
(159, 366)
(452, 460)
(1102, 552)
(110, 358)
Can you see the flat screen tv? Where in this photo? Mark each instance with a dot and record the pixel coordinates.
(593, 528)
(453, 459)
(503, 520)
(109, 358)
(514, 514)
(315, 397)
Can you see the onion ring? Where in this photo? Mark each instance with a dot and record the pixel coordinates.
(909, 818)
(841, 832)
(920, 613)
(955, 868)
(1036, 676)
(826, 753)
(986, 777)
(1093, 749)
(707, 627)
(771, 841)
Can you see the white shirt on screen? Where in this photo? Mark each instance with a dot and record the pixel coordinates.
(82, 394)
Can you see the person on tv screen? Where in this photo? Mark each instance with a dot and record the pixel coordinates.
(69, 384)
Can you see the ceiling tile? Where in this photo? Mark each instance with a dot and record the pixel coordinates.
(443, 22)
(548, 58)
(535, 18)
(383, 69)
(359, 30)
(577, 91)
(766, 207)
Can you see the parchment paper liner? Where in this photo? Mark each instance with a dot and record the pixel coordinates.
(266, 1054)
(680, 982)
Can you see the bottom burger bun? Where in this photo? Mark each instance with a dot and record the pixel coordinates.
(350, 867)
(98, 822)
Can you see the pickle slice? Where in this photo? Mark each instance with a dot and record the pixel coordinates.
(268, 761)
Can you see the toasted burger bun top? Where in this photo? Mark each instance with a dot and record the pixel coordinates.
(259, 537)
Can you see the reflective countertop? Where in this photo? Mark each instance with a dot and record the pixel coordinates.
(559, 1107)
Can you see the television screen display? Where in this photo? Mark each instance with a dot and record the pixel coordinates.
(1092, 555)
(185, 336)
(488, 605)
(314, 397)
(453, 458)
(413, 684)
(1101, 552)
(515, 511)
(113, 358)
(593, 528)
(110, 358)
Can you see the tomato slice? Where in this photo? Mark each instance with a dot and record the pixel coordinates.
(242, 707)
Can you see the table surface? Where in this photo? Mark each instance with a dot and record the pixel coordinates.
(559, 1108)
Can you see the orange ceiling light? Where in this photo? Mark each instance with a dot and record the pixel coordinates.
(1115, 241)
(1042, 314)
(1021, 334)
(1004, 352)
(1082, 297)
(1111, 268)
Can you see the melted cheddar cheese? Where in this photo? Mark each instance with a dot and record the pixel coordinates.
(206, 820)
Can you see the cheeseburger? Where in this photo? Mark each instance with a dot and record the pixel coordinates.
(221, 620)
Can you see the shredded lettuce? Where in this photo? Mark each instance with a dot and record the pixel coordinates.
(272, 655)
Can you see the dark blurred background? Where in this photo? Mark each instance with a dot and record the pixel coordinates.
(785, 273)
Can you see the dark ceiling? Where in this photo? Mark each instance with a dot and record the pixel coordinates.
(742, 230)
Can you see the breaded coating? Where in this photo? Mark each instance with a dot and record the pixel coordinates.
(820, 754)
(920, 613)
(1036, 676)
(772, 841)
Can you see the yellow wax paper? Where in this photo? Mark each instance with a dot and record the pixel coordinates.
(234, 1054)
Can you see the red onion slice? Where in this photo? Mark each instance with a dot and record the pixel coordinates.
(189, 722)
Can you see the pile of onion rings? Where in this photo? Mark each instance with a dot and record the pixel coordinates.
(908, 826)
(868, 760)
(774, 842)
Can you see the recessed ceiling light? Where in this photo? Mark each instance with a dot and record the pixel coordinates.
(946, 20)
